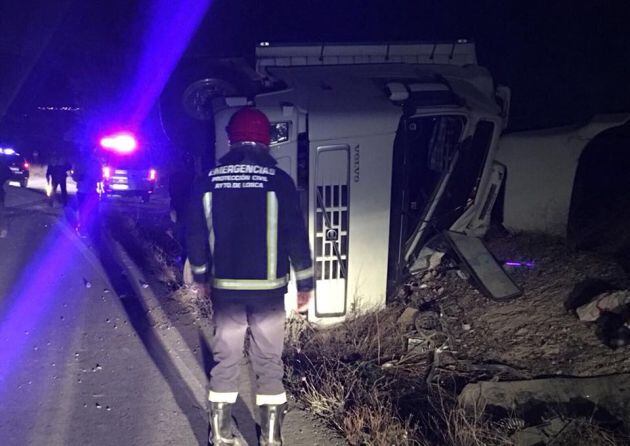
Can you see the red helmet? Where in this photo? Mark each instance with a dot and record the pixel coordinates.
(249, 125)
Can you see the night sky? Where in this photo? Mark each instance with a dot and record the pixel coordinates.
(564, 60)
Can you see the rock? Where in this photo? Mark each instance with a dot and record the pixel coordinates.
(554, 427)
(408, 318)
(585, 291)
(612, 393)
(540, 435)
(522, 331)
(608, 301)
(532, 436)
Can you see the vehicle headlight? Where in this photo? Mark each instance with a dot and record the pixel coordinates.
(280, 132)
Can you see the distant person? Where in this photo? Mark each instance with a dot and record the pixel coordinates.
(5, 174)
(87, 174)
(56, 175)
(245, 230)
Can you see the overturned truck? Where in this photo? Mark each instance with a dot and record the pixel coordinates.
(390, 145)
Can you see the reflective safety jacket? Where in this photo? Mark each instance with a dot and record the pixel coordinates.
(245, 228)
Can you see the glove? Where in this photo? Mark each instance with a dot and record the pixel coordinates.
(303, 300)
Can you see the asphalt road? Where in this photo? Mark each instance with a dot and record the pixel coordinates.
(91, 353)
(75, 367)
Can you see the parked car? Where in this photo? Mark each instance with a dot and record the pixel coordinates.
(17, 164)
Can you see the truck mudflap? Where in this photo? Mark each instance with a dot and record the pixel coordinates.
(486, 272)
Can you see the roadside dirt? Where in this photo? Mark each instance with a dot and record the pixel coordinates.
(528, 337)
(533, 334)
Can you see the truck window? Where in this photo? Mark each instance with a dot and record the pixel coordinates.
(443, 143)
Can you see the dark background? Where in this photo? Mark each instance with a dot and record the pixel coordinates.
(564, 60)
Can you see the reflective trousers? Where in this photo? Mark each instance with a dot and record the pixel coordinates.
(265, 318)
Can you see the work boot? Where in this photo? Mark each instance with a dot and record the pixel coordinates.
(271, 417)
(221, 428)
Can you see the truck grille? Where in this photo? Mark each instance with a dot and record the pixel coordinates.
(331, 232)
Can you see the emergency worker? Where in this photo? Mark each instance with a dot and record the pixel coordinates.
(245, 230)
(5, 174)
(57, 174)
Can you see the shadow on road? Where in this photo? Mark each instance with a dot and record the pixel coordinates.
(184, 397)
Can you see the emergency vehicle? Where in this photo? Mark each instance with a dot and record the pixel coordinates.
(392, 147)
(126, 167)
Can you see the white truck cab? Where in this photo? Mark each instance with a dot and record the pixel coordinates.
(389, 144)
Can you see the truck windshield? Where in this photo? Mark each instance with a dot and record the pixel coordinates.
(428, 144)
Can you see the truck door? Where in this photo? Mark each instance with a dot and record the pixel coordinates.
(423, 149)
(441, 175)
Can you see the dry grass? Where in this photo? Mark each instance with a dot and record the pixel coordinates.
(449, 424)
(155, 251)
(584, 432)
(337, 373)
(358, 378)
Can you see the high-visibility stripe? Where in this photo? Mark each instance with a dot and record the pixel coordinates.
(207, 208)
(246, 284)
(222, 397)
(272, 235)
(262, 400)
(304, 274)
(199, 269)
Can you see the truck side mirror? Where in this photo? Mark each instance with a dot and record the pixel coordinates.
(504, 95)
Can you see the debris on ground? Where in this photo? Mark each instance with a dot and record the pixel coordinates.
(408, 318)
(533, 332)
(584, 292)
